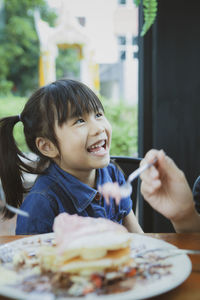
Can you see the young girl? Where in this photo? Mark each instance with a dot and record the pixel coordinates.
(65, 126)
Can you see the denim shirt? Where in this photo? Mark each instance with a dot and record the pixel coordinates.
(57, 191)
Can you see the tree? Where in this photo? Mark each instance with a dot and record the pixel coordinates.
(19, 51)
(68, 64)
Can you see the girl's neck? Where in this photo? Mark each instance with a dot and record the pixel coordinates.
(88, 178)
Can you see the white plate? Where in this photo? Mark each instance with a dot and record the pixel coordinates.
(180, 270)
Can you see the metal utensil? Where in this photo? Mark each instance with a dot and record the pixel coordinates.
(126, 189)
(11, 208)
(166, 252)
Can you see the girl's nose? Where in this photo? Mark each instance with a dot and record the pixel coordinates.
(96, 127)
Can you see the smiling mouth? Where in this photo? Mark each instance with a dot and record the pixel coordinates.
(97, 146)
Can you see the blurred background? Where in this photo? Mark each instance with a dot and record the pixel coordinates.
(93, 41)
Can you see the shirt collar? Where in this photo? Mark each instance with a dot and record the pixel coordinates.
(80, 193)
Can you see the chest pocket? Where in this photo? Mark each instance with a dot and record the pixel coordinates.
(98, 211)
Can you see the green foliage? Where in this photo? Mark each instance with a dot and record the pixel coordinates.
(150, 12)
(123, 119)
(67, 64)
(137, 2)
(5, 86)
(19, 52)
(11, 106)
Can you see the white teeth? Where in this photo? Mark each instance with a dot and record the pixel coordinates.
(98, 145)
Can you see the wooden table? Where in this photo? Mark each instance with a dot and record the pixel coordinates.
(188, 290)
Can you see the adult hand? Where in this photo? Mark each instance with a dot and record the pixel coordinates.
(165, 188)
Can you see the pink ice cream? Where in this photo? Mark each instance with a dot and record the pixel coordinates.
(67, 228)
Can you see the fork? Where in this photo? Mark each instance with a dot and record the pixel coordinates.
(169, 252)
(12, 208)
(126, 189)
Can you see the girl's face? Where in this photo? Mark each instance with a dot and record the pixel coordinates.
(84, 143)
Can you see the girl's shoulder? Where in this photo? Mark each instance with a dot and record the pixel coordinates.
(48, 177)
(44, 184)
(45, 193)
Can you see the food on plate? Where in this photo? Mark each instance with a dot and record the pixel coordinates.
(89, 251)
(83, 256)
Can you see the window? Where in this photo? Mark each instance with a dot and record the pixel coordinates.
(82, 21)
(135, 54)
(134, 40)
(122, 40)
(122, 2)
(122, 55)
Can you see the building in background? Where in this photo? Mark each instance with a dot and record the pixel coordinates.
(108, 37)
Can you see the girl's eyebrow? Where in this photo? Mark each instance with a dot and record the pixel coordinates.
(74, 116)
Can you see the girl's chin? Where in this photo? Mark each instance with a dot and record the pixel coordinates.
(104, 161)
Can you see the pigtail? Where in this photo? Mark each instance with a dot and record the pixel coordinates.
(11, 165)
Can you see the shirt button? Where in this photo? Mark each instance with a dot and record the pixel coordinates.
(97, 196)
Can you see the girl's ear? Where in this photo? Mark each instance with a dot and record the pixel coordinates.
(46, 147)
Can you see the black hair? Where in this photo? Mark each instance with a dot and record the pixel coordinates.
(56, 101)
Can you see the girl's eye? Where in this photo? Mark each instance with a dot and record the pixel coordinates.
(79, 121)
(99, 114)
